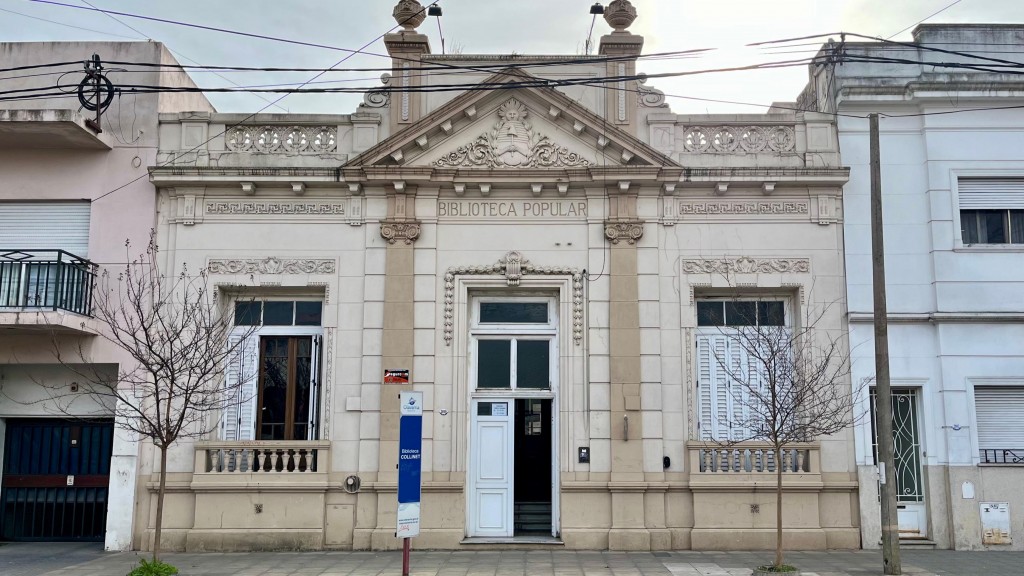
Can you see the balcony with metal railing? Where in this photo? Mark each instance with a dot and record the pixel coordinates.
(39, 288)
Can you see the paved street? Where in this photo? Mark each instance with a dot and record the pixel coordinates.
(19, 559)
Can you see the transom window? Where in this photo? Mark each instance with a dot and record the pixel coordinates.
(741, 313)
(513, 341)
(278, 313)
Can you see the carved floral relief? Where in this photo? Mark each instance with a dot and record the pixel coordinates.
(271, 265)
(512, 143)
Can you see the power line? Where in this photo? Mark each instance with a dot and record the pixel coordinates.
(250, 116)
(63, 24)
(179, 54)
(925, 18)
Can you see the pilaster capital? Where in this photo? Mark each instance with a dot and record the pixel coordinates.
(400, 230)
(624, 230)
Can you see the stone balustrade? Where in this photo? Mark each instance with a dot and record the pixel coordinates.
(269, 457)
(753, 458)
(738, 139)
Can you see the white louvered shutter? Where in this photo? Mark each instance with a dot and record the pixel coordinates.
(716, 405)
(239, 420)
(991, 193)
(313, 429)
(45, 225)
(1000, 416)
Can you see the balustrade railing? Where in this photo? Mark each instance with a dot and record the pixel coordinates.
(739, 139)
(47, 279)
(752, 459)
(262, 457)
(1002, 456)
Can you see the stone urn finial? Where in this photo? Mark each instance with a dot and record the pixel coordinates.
(409, 14)
(620, 14)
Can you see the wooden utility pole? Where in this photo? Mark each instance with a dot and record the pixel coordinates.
(883, 395)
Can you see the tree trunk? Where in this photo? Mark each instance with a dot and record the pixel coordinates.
(778, 505)
(160, 503)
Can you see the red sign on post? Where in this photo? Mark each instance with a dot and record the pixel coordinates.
(396, 376)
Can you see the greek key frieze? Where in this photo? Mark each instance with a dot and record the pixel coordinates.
(278, 208)
(741, 208)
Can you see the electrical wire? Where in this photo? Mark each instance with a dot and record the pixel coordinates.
(179, 54)
(65, 25)
(925, 18)
(250, 116)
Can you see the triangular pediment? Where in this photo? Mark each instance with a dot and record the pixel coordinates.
(511, 128)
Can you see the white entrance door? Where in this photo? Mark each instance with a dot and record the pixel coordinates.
(491, 468)
(912, 513)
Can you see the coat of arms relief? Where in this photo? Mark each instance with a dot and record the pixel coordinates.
(512, 143)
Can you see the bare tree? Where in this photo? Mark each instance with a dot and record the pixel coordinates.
(179, 338)
(787, 385)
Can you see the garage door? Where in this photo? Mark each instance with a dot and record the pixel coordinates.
(55, 479)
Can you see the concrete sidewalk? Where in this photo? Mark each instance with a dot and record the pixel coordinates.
(80, 560)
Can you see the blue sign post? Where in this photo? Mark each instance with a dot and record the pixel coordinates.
(410, 447)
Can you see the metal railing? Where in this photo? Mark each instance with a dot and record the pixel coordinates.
(46, 279)
(1002, 456)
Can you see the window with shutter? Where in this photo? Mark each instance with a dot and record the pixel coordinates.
(239, 418)
(991, 210)
(999, 412)
(726, 412)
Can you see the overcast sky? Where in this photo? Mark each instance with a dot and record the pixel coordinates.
(493, 27)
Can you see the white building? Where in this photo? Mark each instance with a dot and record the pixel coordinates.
(535, 257)
(952, 152)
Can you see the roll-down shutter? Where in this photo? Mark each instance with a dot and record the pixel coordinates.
(1000, 416)
(45, 225)
(991, 193)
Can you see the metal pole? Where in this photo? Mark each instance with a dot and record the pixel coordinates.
(406, 545)
(883, 404)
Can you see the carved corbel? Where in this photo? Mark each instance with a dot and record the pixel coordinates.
(624, 230)
(563, 188)
(721, 188)
(406, 231)
(460, 189)
(248, 188)
(485, 189)
(536, 189)
(355, 188)
(298, 188)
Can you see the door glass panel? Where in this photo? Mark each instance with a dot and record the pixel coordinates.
(772, 313)
(514, 312)
(248, 313)
(308, 313)
(532, 363)
(274, 388)
(278, 313)
(494, 364)
(303, 365)
(710, 313)
(740, 314)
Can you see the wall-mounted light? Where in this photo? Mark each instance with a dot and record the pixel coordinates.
(434, 10)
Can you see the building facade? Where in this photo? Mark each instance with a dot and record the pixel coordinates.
(68, 473)
(953, 201)
(533, 251)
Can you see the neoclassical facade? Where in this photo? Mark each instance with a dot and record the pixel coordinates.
(533, 252)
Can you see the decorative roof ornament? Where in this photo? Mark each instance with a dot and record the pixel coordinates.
(409, 14)
(620, 14)
(512, 143)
